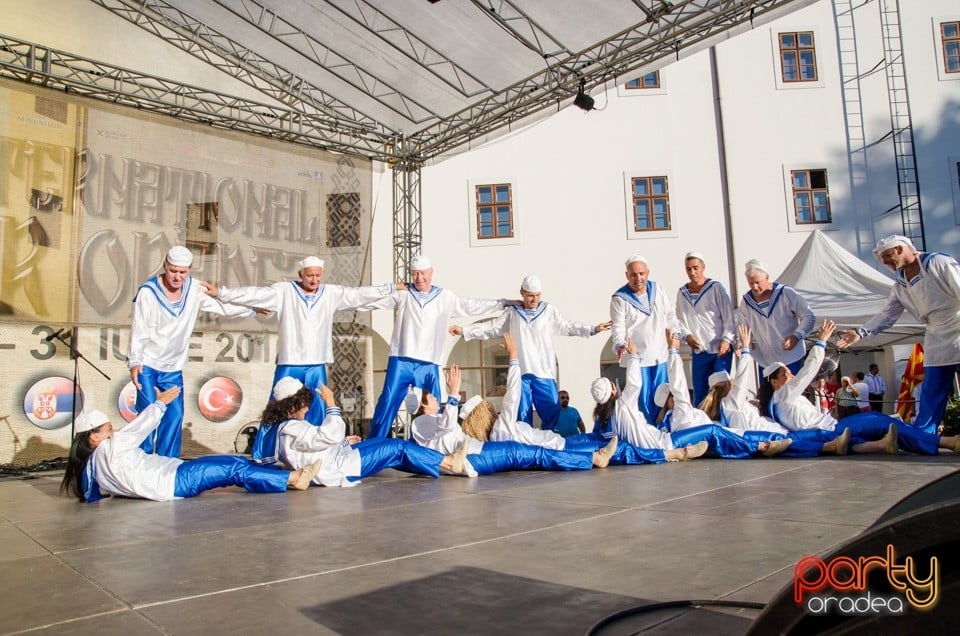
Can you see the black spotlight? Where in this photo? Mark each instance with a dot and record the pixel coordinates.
(582, 100)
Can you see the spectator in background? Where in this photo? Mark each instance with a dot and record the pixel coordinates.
(847, 396)
(876, 388)
(863, 393)
(569, 422)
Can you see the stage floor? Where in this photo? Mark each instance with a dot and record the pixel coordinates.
(515, 553)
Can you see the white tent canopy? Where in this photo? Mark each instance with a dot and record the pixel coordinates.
(841, 287)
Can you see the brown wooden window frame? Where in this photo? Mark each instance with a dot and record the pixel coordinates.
(650, 198)
(797, 50)
(494, 208)
(948, 41)
(641, 83)
(813, 188)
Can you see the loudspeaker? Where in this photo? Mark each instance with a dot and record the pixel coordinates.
(923, 526)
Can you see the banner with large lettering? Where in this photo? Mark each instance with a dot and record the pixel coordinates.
(91, 199)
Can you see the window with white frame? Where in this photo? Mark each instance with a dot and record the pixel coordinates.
(648, 81)
(651, 204)
(798, 57)
(950, 46)
(811, 196)
(494, 211)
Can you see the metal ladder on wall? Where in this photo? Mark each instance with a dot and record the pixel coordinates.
(853, 115)
(907, 182)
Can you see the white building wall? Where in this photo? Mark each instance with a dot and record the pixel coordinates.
(568, 173)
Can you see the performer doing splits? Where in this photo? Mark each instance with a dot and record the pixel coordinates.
(870, 431)
(346, 460)
(104, 462)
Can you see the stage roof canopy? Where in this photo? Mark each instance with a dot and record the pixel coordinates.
(405, 81)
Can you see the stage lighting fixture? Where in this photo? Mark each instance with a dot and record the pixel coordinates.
(582, 100)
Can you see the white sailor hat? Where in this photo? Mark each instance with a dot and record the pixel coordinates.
(179, 256)
(286, 387)
(717, 377)
(636, 258)
(469, 406)
(696, 255)
(531, 284)
(412, 400)
(420, 263)
(601, 389)
(661, 394)
(893, 240)
(310, 261)
(89, 421)
(754, 265)
(768, 371)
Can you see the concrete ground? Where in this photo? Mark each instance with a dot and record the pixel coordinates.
(514, 553)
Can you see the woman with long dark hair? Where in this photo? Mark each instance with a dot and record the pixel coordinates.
(104, 461)
(285, 435)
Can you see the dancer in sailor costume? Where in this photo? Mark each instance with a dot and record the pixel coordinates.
(345, 460)
(481, 422)
(305, 311)
(707, 322)
(440, 431)
(164, 312)
(870, 431)
(640, 311)
(927, 286)
(688, 424)
(105, 462)
(617, 411)
(726, 402)
(778, 317)
(533, 326)
(419, 332)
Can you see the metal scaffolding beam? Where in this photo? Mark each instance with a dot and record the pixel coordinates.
(59, 70)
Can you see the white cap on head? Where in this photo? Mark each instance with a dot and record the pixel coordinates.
(636, 258)
(531, 284)
(89, 420)
(179, 256)
(310, 261)
(694, 255)
(661, 394)
(754, 265)
(601, 390)
(285, 387)
(469, 406)
(412, 400)
(717, 377)
(419, 263)
(768, 371)
(893, 240)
